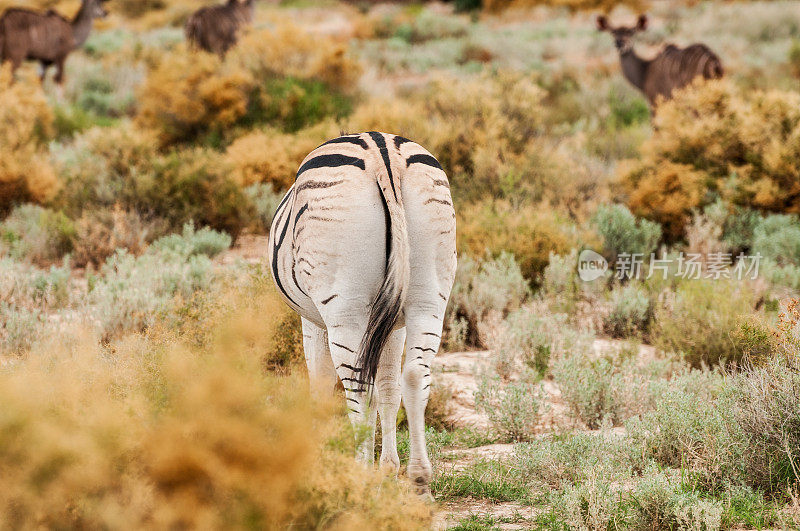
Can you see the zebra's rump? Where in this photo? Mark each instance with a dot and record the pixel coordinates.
(344, 190)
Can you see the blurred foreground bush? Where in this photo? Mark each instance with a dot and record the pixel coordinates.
(153, 433)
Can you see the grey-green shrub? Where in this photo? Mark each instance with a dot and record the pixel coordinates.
(766, 405)
(630, 311)
(36, 234)
(703, 320)
(558, 461)
(777, 237)
(530, 337)
(684, 426)
(191, 242)
(513, 408)
(265, 200)
(495, 284)
(132, 292)
(623, 233)
(598, 389)
(659, 501)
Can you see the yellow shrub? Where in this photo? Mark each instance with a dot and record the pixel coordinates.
(25, 170)
(160, 435)
(713, 139)
(668, 194)
(190, 93)
(273, 157)
(480, 130)
(291, 52)
(531, 233)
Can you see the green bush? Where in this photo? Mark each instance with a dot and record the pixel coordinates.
(704, 320)
(777, 237)
(630, 311)
(36, 234)
(292, 104)
(623, 233)
(513, 408)
(599, 389)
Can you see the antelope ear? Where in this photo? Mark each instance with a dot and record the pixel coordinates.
(641, 23)
(602, 23)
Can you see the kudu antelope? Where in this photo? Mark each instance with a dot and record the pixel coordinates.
(215, 29)
(671, 69)
(47, 38)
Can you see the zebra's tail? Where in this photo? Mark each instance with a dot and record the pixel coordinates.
(388, 306)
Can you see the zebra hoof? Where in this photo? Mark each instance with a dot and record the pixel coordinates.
(424, 493)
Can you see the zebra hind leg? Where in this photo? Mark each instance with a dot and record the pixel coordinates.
(424, 328)
(321, 375)
(343, 342)
(387, 387)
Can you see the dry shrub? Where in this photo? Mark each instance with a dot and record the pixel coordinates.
(99, 233)
(531, 233)
(123, 166)
(708, 321)
(289, 51)
(154, 434)
(715, 139)
(284, 77)
(273, 157)
(190, 93)
(482, 131)
(25, 171)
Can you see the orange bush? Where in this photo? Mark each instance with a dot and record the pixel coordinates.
(715, 140)
(191, 93)
(272, 157)
(531, 233)
(25, 170)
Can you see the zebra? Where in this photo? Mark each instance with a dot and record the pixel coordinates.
(363, 247)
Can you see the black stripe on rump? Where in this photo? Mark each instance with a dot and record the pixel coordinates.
(423, 159)
(330, 161)
(399, 141)
(380, 141)
(348, 140)
(315, 185)
(276, 246)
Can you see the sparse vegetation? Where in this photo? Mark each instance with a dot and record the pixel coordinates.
(151, 377)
